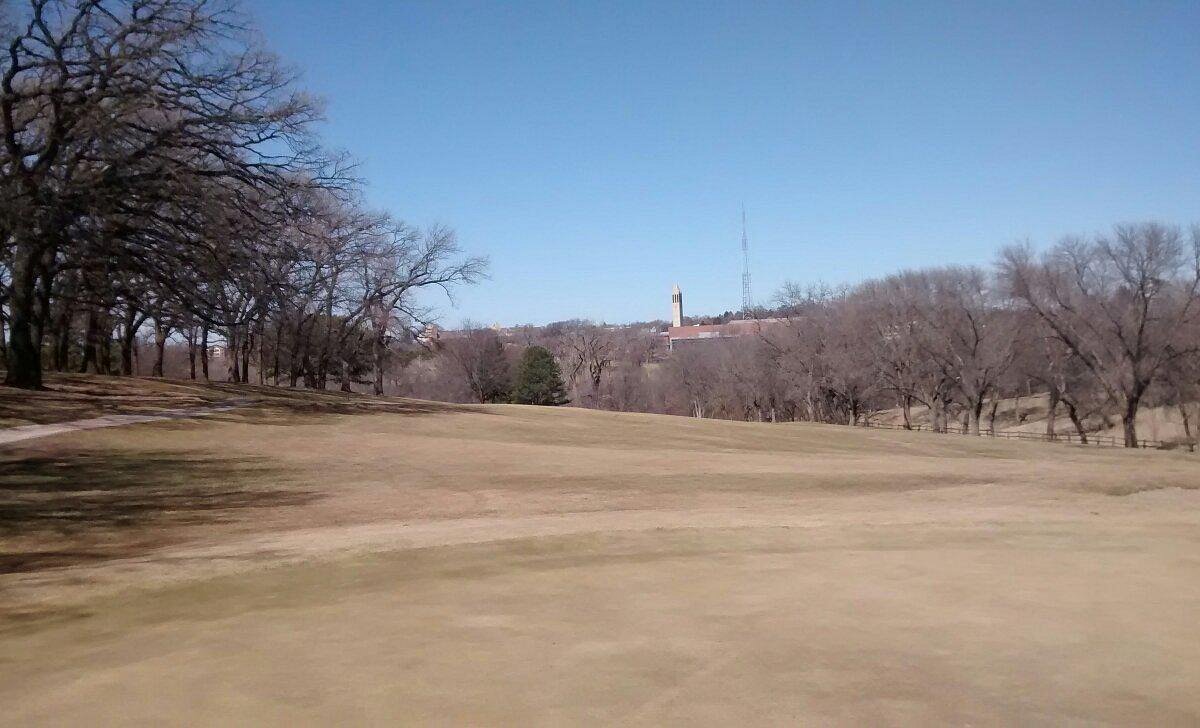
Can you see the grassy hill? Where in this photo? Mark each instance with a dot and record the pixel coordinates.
(321, 558)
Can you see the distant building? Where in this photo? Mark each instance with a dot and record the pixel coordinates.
(678, 334)
(217, 351)
(429, 335)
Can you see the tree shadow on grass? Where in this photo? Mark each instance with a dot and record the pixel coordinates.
(77, 396)
(282, 411)
(273, 400)
(69, 397)
(92, 505)
(322, 409)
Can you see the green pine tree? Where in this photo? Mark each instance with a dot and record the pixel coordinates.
(539, 380)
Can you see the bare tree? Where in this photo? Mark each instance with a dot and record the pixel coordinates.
(109, 108)
(963, 329)
(1121, 303)
(589, 351)
(825, 354)
(395, 264)
(479, 355)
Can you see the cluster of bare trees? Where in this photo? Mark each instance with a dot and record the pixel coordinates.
(942, 338)
(477, 364)
(158, 168)
(1102, 326)
(1119, 317)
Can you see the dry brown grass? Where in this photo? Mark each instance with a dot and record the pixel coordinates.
(69, 397)
(319, 561)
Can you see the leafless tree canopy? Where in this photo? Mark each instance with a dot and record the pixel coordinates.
(159, 167)
(1100, 325)
(1124, 306)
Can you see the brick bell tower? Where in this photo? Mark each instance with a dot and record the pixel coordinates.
(676, 306)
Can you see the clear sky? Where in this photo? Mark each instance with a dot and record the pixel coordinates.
(600, 152)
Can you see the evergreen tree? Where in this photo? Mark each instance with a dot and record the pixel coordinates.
(539, 380)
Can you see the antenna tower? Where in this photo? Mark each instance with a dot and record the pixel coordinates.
(747, 302)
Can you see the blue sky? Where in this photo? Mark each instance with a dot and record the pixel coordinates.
(600, 152)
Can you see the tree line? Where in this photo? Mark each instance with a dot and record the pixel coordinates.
(1101, 325)
(164, 187)
(160, 170)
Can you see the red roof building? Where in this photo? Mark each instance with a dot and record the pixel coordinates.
(700, 332)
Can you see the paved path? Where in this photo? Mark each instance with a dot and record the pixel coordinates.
(29, 432)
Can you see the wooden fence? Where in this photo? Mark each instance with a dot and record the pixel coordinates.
(1067, 437)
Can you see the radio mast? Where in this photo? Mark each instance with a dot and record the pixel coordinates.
(747, 302)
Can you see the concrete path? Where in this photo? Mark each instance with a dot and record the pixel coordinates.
(29, 432)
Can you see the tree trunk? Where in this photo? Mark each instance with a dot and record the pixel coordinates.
(275, 359)
(992, 416)
(322, 372)
(1129, 420)
(294, 364)
(1187, 426)
(1073, 413)
(345, 375)
(204, 351)
(128, 340)
(91, 336)
(262, 355)
(160, 346)
(62, 346)
(127, 343)
(24, 360)
(295, 369)
(106, 347)
(275, 350)
(974, 417)
(233, 353)
(1052, 413)
(191, 342)
(906, 408)
(62, 333)
(378, 351)
(938, 414)
(44, 288)
(247, 346)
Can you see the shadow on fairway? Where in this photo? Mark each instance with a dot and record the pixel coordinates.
(82, 396)
(105, 500)
(268, 410)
